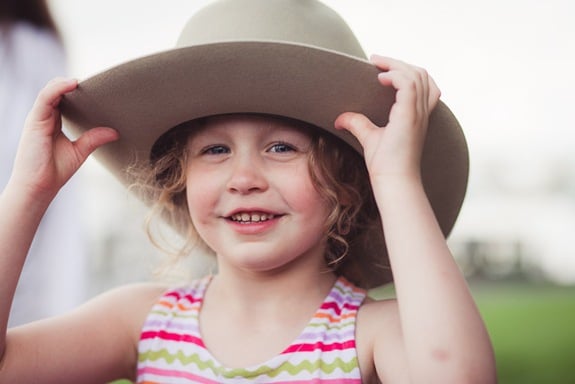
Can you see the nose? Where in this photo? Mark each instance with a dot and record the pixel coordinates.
(247, 175)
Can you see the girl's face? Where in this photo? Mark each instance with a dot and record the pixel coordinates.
(250, 194)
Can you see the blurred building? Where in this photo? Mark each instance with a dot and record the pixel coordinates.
(518, 222)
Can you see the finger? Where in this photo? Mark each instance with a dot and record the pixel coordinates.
(356, 123)
(422, 79)
(430, 93)
(387, 63)
(406, 97)
(90, 140)
(401, 80)
(49, 98)
(434, 94)
(416, 88)
(407, 79)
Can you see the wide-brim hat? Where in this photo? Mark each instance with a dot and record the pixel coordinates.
(292, 58)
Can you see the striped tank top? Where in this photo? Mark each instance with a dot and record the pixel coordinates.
(171, 348)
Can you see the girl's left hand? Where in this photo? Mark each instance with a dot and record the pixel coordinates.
(395, 149)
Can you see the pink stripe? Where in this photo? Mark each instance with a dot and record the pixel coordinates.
(167, 373)
(337, 308)
(321, 381)
(171, 336)
(179, 296)
(321, 346)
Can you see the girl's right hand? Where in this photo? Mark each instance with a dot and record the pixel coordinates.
(46, 158)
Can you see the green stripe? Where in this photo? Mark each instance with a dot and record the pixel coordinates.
(173, 314)
(292, 369)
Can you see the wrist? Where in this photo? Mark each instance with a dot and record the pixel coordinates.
(20, 197)
(400, 182)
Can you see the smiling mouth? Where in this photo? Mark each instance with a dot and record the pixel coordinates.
(251, 217)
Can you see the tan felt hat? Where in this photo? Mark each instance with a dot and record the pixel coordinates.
(293, 58)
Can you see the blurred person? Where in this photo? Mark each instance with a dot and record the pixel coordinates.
(31, 53)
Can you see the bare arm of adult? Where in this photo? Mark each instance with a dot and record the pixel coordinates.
(51, 350)
(442, 335)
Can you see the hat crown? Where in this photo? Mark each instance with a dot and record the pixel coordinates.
(306, 22)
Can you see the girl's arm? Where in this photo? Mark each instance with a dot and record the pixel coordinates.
(46, 159)
(95, 343)
(443, 336)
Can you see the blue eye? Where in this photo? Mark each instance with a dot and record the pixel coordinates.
(216, 150)
(281, 148)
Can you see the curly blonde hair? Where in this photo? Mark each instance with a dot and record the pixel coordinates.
(337, 172)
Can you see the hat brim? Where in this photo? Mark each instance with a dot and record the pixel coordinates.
(146, 97)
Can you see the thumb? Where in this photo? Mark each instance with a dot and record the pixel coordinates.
(357, 124)
(92, 139)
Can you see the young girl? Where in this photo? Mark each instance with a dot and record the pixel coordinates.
(286, 207)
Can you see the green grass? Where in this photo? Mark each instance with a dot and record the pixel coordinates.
(533, 332)
(532, 329)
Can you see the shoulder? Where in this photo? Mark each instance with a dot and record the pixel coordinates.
(379, 319)
(116, 318)
(126, 306)
(374, 310)
(132, 298)
(380, 340)
(105, 331)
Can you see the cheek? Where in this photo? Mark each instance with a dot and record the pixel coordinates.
(199, 193)
(303, 194)
(195, 199)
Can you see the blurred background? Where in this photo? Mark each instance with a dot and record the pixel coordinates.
(505, 69)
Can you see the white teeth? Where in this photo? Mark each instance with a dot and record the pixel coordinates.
(245, 217)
